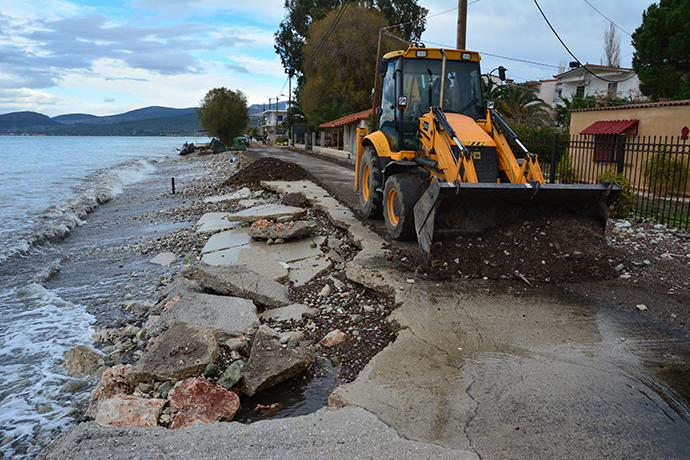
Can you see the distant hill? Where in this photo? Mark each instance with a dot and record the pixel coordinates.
(149, 121)
(28, 123)
(258, 108)
(180, 125)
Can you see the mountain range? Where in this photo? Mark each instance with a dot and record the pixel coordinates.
(148, 121)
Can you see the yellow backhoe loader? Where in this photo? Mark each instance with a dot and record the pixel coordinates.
(440, 161)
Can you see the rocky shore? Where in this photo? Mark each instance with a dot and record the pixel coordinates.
(177, 352)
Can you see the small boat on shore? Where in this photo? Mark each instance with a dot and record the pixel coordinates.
(187, 148)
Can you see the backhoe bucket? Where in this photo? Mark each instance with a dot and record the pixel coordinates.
(475, 207)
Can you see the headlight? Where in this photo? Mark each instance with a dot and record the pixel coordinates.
(421, 53)
(490, 105)
(466, 56)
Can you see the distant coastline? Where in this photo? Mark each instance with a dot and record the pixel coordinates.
(148, 121)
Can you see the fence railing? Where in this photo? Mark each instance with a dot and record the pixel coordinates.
(655, 170)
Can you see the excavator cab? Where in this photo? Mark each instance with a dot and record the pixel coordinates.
(440, 160)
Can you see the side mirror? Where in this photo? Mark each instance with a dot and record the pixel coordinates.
(502, 73)
(383, 66)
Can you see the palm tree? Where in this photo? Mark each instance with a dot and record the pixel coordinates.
(330, 112)
(520, 104)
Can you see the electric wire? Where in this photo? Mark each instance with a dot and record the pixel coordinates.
(603, 16)
(573, 56)
(328, 32)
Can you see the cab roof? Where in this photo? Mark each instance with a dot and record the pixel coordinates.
(414, 52)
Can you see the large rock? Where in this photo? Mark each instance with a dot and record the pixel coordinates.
(291, 230)
(227, 315)
(79, 361)
(271, 363)
(266, 211)
(183, 351)
(113, 382)
(238, 281)
(199, 401)
(129, 411)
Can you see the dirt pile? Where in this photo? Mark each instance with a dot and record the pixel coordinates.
(267, 169)
(556, 248)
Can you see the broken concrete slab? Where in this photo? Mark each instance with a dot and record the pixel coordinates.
(165, 259)
(209, 216)
(241, 194)
(239, 281)
(224, 257)
(298, 229)
(292, 251)
(248, 203)
(261, 261)
(228, 315)
(266, 211)
(179, 287)
(228, 239)
(305, 270)
(217, 224)
(294, 312)
(183, 351)
(270, 363)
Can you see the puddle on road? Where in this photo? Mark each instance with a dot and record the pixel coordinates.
(301, 395)
(626, 396)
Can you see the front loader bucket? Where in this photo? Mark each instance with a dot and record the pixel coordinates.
(476, 207)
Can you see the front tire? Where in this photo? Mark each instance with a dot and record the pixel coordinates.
(370, 180)
(401, 193)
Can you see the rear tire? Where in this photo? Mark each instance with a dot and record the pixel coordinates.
(401, 193)
(370, 179)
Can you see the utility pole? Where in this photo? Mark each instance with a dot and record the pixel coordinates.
(376, 70)
(462, 25)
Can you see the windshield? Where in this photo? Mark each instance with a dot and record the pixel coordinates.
(463, 92)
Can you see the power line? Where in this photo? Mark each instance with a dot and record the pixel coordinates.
(328, 32)
(501, 57)
(571, 54)
(428, 17)
(602, 15)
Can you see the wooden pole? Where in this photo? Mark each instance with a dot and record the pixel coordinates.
(376, 70)
(462, 25)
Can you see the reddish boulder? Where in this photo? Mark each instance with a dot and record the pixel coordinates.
(199, 401)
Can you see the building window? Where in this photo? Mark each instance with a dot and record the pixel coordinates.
(613, 88)
(605, 148)
(280, 118)
(580, 91)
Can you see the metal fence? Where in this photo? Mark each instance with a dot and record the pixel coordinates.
(653, 171)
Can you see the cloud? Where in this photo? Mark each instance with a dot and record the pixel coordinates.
(237, 68)
(108, 100)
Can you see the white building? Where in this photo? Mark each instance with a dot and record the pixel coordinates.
(590, 80)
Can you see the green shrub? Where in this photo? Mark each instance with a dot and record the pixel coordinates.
(623, 206)
(280, 140)
(665, 173)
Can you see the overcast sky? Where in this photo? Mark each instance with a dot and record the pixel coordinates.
(107, 56)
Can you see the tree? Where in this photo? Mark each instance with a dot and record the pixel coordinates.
(520, 104)
(223, 113)
(344, 67)
(293, 31)
(661, 59)
(612, 48)
(330, 111)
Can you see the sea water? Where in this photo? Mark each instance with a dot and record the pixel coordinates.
(48, 185)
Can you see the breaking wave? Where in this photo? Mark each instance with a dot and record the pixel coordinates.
(57, 221)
